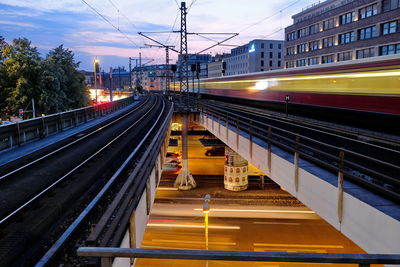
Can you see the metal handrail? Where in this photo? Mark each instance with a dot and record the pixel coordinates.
(262, 131)
(363, 260)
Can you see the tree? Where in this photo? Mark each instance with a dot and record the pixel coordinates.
(72, 82)
(21, 72)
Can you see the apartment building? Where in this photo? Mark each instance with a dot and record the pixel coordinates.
(339, 30)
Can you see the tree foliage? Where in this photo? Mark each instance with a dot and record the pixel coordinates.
(53, 82)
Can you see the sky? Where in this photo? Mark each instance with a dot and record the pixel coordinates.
(81, 26)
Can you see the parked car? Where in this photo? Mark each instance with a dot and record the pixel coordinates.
(215, 151)
(172, 159)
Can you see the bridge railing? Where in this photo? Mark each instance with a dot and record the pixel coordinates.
(371, 172)
(363, 260)
(19, 133)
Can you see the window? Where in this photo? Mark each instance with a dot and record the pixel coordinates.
(368, 11)
(291, 36)
(313, 61)
(262, 63)
(327, 59)
(313, 45)
(271, 46)
(367, 33)
(363, 53)
(347, 18)
(301, 62)
(328, 42)
(302, 32)
(329, 24)
(262, 45)
(314, 29)
(279, 46)
(289, 64)
(279, 63)
(390, 27)
(271, 55)
(389, 49)
(388, 5)
(301, 48)
(345, 56)
(270, 63)
(346, 38)
(279, 55)
(262, 54)
(290, 51)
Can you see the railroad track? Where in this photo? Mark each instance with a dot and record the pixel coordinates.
(42, 198)
(373, 164)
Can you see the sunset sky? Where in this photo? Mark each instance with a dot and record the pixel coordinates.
(49, 23)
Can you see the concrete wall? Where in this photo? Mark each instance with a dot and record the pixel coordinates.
(138, 221)
(371, 229)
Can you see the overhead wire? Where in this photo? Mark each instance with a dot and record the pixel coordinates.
(109, 22)
(270, 16)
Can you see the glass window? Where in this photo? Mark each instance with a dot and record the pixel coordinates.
(328, 24)
(270, 63)
(262, 63)
(368, 11)
(301, 62)
(390, 27)
(262, 54)
(279, 54)
(345, 56)
(313, 45)
(327, 59)
(364, 53)
(367, 33)
(290, 51)
(328, 42)
(346, 38)
(301, 48)
(280, 45)
(347, 18)
(313, 61)
(271, 54)
(262, 45)
(314, 29)
(271, 46)
(279, 62)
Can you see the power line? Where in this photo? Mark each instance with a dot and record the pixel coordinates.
(271, 16)
(193, 1)
(109, 22)
(177, 3)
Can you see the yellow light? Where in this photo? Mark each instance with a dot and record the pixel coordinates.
(225, 227)
(262, 211)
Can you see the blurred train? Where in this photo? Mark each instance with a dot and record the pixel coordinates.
(366, 85)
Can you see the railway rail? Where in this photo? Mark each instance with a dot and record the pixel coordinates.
(42, 198)
(374, 165)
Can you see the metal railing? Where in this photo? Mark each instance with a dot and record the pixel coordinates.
(22, 132)
(363, 260)
(383, 178)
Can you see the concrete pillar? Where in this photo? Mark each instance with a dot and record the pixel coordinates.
(235, 171)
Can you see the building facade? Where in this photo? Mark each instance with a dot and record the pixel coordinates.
(152, 77)
(339, 30)
(257, 55)
(217, 66)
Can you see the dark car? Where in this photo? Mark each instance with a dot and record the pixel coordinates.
(215, 151)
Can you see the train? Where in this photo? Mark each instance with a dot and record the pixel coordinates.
(366, 85)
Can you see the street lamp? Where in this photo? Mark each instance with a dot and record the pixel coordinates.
(96, 66)
(206, 211)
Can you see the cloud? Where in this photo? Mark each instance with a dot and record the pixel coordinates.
(15, 23)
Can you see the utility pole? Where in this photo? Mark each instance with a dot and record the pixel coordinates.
(183, 66)
(185, 180)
